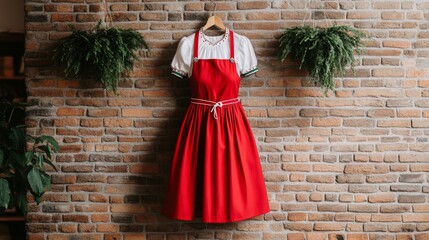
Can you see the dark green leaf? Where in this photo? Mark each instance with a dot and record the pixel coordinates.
(18, 159)
(1, 157)
(37, 198)
(4, 193)
(34, 177)
(39, 159)
(46, 149)
(46, 179)
(47, 161)
(21, 191)
(21, 201)
(51, 141)
(18, 139)
(28, 157)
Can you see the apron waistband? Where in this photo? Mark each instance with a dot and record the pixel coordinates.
(214, 104)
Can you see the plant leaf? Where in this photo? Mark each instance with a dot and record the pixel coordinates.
(4, 193)
(17, 138)
(39, 159)
(28, 157)
(46, 149)
(1, 157)
(35, 181)
(17, 159)
(52, 141)
(47, 161)
(21, 201)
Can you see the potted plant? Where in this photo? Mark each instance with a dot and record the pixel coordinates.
(323, 52)
(102, 54)
(22, 160)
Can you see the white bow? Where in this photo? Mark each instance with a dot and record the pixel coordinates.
(213, 110)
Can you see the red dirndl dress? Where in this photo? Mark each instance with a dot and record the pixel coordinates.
(216, 173)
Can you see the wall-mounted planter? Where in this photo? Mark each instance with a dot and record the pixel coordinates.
(101, 54)
(323, 52)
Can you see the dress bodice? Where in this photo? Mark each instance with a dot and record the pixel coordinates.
(214, 79)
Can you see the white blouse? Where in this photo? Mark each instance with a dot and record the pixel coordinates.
(214, 47)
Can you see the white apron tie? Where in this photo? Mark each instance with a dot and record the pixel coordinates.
(214, 105)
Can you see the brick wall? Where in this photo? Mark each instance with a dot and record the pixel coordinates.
(353, 164)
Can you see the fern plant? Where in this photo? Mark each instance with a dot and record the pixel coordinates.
(103, 54)
(324, 52)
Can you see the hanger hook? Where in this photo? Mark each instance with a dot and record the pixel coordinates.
(214, 7)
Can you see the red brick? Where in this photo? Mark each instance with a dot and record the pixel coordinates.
(387, 5)
(58, 8)
(118, 122)
(196, 6)
(263, 16)
(87, 17)
(100, 218)
(388, 72)
(70, 148)
(103, 112)
(134, 236)
(111, 228)
(152, 16)
(136, 112)
(394, 123)
(113, 236)
(295, 236)
(144, 168)
(64, 122)
(86, 228)
(123, 208)
(386, 218)
(382, 113)
(91, 122)
(118, 7)
(83, 188)
(252, 5)
(62, 18)
(318, 226)
(320, 179)
(315, 236)
(67, 228)
(409, 113)
(91, 208)
(417, 217)
(421, 236)
(357, 236)
(52, 237)
(326, 122)
(382, 198)
(297, 216)
(362, 15)
(124, 102)
(76, 218)
(70, 112)
(397, 44)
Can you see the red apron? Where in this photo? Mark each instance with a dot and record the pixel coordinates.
(216, 172)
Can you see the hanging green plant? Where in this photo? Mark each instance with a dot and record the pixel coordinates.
(324, 52)
(102, 54)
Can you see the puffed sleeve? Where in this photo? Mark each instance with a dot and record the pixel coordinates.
(247, 63)
(181, 63)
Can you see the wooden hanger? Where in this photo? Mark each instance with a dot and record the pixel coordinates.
(214, 21)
